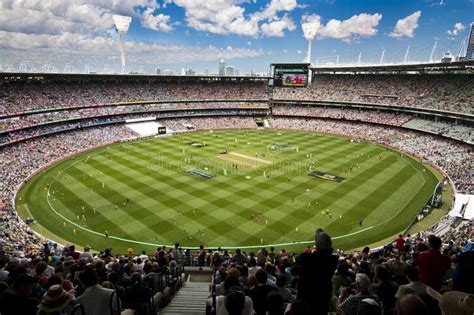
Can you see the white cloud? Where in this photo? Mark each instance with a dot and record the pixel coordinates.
(405, 27)
(79, 49)
(277, 27)
(80, 31)
(227, 16)
(158, 22)
(457, 28)
(357, 26)
(77, 16)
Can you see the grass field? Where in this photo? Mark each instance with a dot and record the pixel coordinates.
(259, 192)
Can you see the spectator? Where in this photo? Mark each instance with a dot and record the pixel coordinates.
(274, 304)
(341, 278)
(350, 300)
(432, 265)
(239, 258)
(55, 302)
(400, 243)
(286, 294)
(234, 302)
(317, 270)
(260, 291)
(384, 288)
(411, 304)
(457, 303)
(414, 287)
(18, 299)
(96, 299)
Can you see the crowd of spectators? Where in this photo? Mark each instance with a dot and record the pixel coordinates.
(26, 96)
(384, 118)
(419, 274)
(415, 274)
(57, 278)
(454, 93)
(19, 161)
(26, 133)
(452, 157)
(25, 121)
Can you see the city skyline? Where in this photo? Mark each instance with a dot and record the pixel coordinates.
(249, 35)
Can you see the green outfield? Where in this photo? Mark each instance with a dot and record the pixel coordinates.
(186, 189)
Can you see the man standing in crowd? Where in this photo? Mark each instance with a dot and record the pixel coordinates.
(316, 272)
(432, 264)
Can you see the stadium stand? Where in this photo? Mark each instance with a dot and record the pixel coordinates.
(447, 92)
(432, 274)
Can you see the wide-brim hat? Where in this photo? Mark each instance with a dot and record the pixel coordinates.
(395, 265)
(457, 303)
(56, 299)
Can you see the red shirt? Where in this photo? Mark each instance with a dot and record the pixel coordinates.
(432, 266)
(400, 243)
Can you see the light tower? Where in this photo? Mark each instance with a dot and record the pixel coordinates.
(122, 23)
(433, 50)
(309, 31)
(470, 44)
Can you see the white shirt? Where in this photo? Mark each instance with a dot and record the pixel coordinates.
(96, 300)
(221, 310)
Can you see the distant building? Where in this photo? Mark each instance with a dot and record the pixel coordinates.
(230, 71)
(168, 72)
(190, 72)
(222, 68)
(158, 70)
(470, 44)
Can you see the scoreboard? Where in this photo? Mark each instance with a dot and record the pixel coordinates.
(290, 75)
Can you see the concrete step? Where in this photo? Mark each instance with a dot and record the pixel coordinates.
(189, 300)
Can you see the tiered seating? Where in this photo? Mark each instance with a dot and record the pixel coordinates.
(446, 92)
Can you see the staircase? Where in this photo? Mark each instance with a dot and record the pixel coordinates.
(189, 300)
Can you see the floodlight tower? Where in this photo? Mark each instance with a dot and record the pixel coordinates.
(122, 23)
(309, 31)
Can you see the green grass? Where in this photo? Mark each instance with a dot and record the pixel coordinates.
(168, 204)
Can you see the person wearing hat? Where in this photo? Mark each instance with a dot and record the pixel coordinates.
(18, 299)
(316, 272)
(55, 301)
(457, 303)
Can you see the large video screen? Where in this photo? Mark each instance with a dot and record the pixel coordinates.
(293, 75)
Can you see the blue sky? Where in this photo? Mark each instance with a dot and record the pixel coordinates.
(175, 34)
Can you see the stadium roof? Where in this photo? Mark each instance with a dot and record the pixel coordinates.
(458, 66)
(28, 76)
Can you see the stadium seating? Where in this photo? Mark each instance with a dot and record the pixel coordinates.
(453, 93)
(158, 277)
